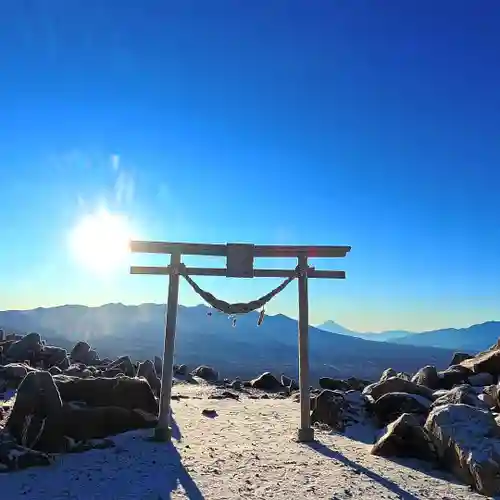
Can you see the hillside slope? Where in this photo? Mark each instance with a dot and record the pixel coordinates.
(474, 338)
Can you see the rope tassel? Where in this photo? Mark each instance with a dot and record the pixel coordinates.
(261, 317)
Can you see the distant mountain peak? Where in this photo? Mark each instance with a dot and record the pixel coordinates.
(333, 327)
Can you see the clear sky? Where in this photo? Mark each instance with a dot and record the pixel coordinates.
(374, 124)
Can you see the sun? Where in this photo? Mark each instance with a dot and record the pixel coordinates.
(100, 241)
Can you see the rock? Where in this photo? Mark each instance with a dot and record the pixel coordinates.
(93, 357)
(158, 365)
(83, 423)
(466, 444)
(428, 377)
(112, 373)
(485, 362)
(454, 375)
(182, 370)
(493, 393)
(481, 379)
(462, 394)
(403, 375)
(14, 371)
(290, 383)
(267, 382)
(439, 393)
(395, 384)
(488, 400)
(64, 364)
(124, 392)
(206, 373)
(147, 370)
(333, 384)
(388, 373)
(355, 409)
(78, 370)
(53, 355)
(209, 413)
(16, 457)
(328, 408)
(80, 352)
(223, 395)
(36, 416)
(390, 406)
(236, 385)
(405, 438)
(458, 357)
(124, 363)
(357, 384)
(28, 348)
(55, 370)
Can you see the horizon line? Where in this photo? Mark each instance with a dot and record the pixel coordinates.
(318, 326)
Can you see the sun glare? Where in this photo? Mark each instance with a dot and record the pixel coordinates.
(100, 241)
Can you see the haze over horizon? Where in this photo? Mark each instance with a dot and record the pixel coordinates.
(371, 125)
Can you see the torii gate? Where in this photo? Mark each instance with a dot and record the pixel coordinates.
(239, 264)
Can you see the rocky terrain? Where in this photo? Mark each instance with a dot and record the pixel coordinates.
(57, 402)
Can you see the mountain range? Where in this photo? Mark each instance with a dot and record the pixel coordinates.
(206, 337)
(473, 338)
(387, 336)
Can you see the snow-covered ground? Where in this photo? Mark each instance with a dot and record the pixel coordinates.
(246, 451)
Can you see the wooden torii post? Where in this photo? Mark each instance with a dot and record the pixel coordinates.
(239, 264)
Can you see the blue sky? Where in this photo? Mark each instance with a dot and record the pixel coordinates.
(371, 124)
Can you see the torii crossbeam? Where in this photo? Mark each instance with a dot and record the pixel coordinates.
(239, 264)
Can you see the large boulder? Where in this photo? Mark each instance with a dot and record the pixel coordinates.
(334, 384)
(328, 407)
(27, 348)
(81, 353)
(454, 375)
(206, 373)
(388, 373)
(355, 408)
(405, 438)
(458, 357)
(392, 405)
(462, 394)
(481, 379)
(147, 370)
(267, 382)
(124, 392)
(158, 362)
(428, 377)
(124, 364)
(35, 419)
(83, 423)
(395, 384)
(466, 443)
(181, 370)
(485, 362)
(357, 384)
(53, 355)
